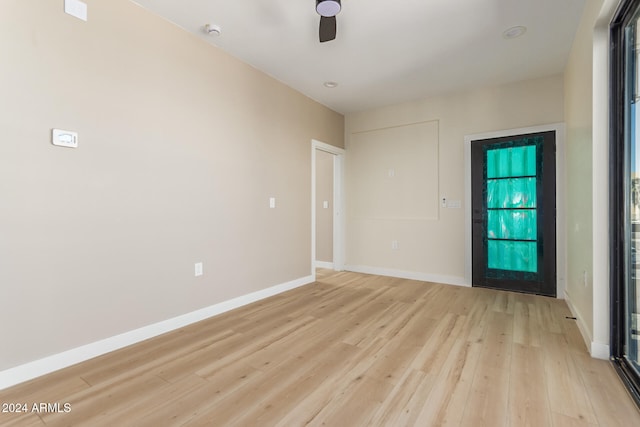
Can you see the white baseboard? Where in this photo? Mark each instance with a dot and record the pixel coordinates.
(28, 371)
(413, 275)
(324, 264)
(582, 326)
(596, 350)
(600, 350)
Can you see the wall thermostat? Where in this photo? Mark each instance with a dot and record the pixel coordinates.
(64, 138)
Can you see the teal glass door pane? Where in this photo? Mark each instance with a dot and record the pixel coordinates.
(511, 208)
(514, 161)
(511, 193)
(513, 255)
(512, 224)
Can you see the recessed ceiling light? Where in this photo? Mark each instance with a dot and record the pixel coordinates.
(330, 85)
(514, 32)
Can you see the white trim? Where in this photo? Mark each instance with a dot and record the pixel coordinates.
(561, 243)
(324, 264)
(313, 210)
(412, 275)
(338, 217)
(28, 371)
(600, 176)
(338, 203)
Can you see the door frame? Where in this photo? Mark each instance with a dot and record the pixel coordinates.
(338, 204)
(561, 245)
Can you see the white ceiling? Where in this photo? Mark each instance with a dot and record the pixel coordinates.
(386, 52)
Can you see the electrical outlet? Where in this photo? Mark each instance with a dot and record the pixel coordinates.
(394, 245)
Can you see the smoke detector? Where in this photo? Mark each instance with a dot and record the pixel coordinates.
(514, 32)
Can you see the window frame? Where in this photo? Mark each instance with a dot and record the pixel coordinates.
(619, 188)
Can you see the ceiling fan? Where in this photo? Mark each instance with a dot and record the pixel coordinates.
(327, 9)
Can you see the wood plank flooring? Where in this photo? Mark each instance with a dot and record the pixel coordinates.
(348, 350)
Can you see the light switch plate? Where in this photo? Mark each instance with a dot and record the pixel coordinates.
(64, 138)
(76, 8)
(272, 202)
(198, 269)
(325, 204)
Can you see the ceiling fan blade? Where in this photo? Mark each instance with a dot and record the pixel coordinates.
(328, 28)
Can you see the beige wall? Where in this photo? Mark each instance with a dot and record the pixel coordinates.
(181, 147)
(578, 116)
(324, 216)
(434, 248)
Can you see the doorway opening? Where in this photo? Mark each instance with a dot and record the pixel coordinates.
(327, 236)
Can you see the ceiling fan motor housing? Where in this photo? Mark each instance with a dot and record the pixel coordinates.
(328, 7)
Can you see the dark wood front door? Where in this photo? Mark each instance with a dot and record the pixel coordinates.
(514, 213)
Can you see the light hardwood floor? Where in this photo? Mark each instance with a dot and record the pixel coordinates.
(349, 350)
